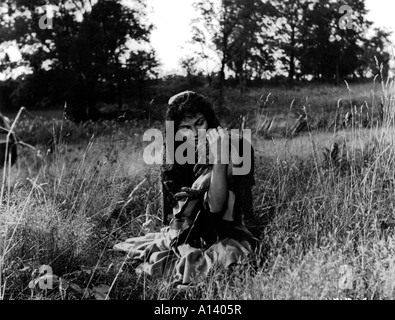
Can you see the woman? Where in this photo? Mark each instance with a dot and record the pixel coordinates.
(204, 201)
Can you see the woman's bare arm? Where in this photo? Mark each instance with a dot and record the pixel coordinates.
(217, 194)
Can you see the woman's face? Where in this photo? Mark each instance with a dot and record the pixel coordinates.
(191, 125)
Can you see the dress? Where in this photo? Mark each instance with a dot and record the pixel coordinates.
(195, 239)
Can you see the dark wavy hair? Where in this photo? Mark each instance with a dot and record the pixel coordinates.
(188, 104)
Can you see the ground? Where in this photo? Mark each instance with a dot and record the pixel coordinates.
(323, 202)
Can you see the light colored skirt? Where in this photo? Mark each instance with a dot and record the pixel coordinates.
(159, 259)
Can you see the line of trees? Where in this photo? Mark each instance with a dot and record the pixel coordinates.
(87, 57)
(304, 36)
(84, 58)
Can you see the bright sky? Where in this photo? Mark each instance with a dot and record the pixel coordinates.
(172, 20)
(172, 32)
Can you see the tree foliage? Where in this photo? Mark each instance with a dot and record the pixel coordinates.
(290, 18)
(332, 53)
(375, 57)
(236, 31)
(303, 37)
(317, 45)
(86, 56)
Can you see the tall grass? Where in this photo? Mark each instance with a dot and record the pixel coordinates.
(57, 210)
(323, 204)
(334, 205)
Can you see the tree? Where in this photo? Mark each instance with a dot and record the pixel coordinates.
(139, 67)
(376, 58)
(252, 49)
(331, 53)
(83, 57)
(290, 16)
(189, 64)
(236, 34)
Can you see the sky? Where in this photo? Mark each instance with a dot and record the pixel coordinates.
(172, 34)
(173, 31)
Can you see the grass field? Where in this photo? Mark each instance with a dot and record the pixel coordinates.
(324, 203)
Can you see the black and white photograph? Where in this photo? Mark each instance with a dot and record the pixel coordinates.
(197, 154)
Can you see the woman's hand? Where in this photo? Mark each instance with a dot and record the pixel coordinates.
(189, 193)
(218, 140)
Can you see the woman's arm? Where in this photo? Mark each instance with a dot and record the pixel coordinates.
(217, 195)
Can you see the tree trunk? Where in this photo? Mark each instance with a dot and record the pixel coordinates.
(221, 84)
(141, 88)
(119, 94)
(292, 59)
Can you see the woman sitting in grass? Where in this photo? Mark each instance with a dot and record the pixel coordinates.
(204, 199)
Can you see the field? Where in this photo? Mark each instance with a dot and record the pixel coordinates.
(324, 202)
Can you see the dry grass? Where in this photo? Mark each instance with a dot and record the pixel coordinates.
(324, 204)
